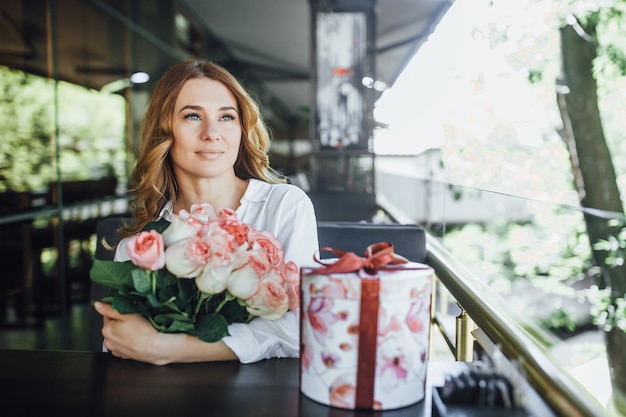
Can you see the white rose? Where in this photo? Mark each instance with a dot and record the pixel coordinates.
(244, 282)
(181, 228)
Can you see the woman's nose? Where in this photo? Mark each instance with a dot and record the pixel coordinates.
(210, 131)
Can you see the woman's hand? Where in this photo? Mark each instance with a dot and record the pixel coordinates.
(131, 336)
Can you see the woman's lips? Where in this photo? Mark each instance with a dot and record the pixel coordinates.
(210, 153)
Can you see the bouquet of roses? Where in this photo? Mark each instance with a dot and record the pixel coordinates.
(200, 273)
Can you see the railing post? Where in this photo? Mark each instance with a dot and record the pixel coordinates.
(464, 341)
(433, 318)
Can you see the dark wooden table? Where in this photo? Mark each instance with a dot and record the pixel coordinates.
(73, 383)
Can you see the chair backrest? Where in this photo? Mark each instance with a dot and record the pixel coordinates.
(408, 240)
(106, 229)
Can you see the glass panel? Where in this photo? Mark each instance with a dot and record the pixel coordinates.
(69, 112)
(71, 105)
(534, 256)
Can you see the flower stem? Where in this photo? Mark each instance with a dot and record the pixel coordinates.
(201, 297)
(153, 279)
(226, 299)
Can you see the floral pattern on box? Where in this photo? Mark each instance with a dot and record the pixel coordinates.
(330, 318)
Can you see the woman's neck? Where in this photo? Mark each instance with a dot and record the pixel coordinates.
(219, 194)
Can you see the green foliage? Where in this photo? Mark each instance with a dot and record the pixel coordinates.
(535, 76)
(172, 305)
(615, 244)
(25, 131)
(560, 319)
(608, 311)
(552, 248)
(90, 127)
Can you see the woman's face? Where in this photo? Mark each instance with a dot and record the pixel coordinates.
(207, 131)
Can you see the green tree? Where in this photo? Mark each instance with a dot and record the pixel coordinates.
(591, 160)
(90, 132)
(583, 133)
(26, 114)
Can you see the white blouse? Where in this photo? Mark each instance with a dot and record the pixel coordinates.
(288, 212)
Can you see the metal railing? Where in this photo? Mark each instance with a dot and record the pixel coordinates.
(480, 307)
(564, 395)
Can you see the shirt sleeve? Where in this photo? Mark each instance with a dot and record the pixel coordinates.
(121, 255)
(262, 338)
(297, 231)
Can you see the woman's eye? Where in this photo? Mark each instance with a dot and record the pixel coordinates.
(192, 116)
(228, 117)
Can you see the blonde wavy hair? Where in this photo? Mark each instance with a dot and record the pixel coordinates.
(153, 183)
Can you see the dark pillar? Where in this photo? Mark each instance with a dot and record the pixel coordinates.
(342, 158)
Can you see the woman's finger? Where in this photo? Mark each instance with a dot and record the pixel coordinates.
(107, 310)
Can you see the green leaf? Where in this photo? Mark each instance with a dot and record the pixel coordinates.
(187, 289)
(108, 299)
(211, 328)
(235, 312)
(111, 274)
(173, 323)
(128, 305)
(156, 303)
(172, 305)
(141, 280)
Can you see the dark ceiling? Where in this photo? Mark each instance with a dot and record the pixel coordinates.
(277, 34)
(270, 38)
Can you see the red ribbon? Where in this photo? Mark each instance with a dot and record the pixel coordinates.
(377, 257)
(368, 333)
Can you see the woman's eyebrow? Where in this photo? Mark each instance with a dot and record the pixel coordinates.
(197, 108)
(190, 107)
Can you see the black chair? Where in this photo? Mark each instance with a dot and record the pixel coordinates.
(106, 229)
(408, 240)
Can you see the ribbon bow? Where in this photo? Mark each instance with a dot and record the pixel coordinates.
(377, 257)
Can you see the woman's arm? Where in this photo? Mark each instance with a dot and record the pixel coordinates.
(130, 336)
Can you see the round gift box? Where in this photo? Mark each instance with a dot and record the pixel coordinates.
(336, 351)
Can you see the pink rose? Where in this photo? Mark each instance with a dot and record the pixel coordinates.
(228, 214)
(237, 231)
(203, 212)
(291, 278)
(224, 257)
(218, 269)
(187, 258)
(146, 250)
(271, 301)
(217, 235)
(268, 243)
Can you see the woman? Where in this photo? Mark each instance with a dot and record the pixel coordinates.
(203, 141)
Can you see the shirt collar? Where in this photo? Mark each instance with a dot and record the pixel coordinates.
(166, 212)
(255, 193)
